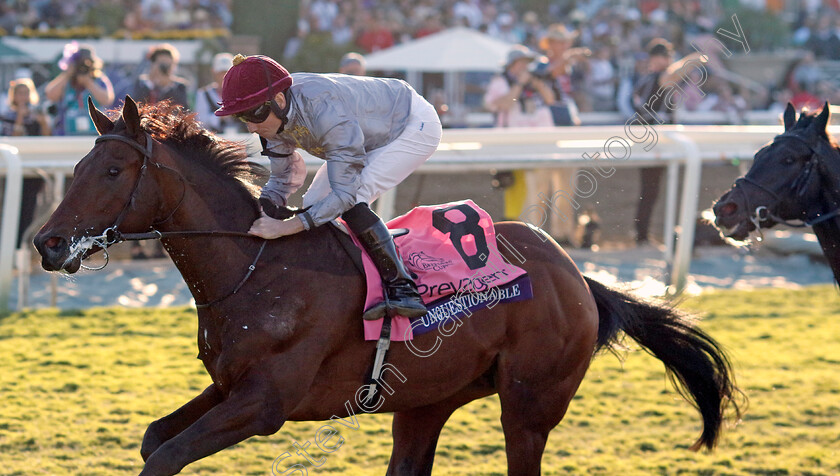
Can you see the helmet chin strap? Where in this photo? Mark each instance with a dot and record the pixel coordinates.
(281, 113)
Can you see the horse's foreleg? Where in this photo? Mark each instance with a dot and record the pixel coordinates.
(161, 431)
(250, 409)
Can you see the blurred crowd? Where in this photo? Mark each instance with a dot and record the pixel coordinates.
(60, 104)
(130, 16)
(612, 41)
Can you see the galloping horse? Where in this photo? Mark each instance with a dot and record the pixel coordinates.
(286, 343)
(795, 177)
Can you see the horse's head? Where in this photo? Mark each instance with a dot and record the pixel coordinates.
(106, 194)
(785, 181)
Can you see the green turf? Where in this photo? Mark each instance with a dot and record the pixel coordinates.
(77, 390)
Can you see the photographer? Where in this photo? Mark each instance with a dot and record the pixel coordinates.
(81, 76)
(25, 118)
(517, 97)
(161, 82)
(520, 97)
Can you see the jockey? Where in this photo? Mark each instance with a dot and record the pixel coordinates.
(372, 133)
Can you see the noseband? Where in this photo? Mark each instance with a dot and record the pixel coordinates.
(112, 235)
(799, 185)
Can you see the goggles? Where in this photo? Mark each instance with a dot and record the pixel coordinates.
(257, 115)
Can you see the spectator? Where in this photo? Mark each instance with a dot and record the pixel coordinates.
(207, 98)
(632, 71)
(601, 80)
(504, 29)
(342, 31)
(822, 41)
(430, 25)
(24, 118)
(721, 98)
(781, 97)
(134, 21)
(81, 76)
(806, 73)
(517, 98)
(662, 69)
(353, 64)
(294, 44)
(520, 99)
(375, 35)
(803, 97)
(157, 10)
(438, 99)
(468, 12)
(562, 57)
(531, 29)
(161, 82)
(325, 13)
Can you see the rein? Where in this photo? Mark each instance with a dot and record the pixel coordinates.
(112, 235)
(763, 213)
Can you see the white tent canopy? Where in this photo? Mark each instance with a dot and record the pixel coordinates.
(454, 50)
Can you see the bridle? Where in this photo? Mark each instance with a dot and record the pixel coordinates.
(112, 235)
(799, 186)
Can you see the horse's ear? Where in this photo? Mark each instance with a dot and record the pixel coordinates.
(821, 121)
(100, 121)
(789, 117)
(131, 116)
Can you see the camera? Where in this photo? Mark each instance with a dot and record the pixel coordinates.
(84, 67)
(539, 68)
(164, 68)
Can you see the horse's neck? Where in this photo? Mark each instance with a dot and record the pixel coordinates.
(828, 233)
(209, 263)
(213, 265)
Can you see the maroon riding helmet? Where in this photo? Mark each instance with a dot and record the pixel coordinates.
(252, 81)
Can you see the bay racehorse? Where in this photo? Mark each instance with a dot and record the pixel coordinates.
(282, 341)
(794, 180)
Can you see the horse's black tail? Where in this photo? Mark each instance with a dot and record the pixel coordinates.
(696, 365)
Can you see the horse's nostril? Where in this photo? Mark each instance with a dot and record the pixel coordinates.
(728, 209)
(53, 242)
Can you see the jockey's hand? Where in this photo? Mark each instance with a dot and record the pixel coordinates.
(269, 228)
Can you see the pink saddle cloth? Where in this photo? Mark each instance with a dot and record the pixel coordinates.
(452, 250)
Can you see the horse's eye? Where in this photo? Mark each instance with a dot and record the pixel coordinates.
(113, 171)
(789, 160)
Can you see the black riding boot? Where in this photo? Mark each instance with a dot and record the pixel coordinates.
(401, 296)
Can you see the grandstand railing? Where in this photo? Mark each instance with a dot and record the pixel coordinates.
(13, 170)
(469, 150)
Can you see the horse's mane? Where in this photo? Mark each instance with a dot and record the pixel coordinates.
(172, 125)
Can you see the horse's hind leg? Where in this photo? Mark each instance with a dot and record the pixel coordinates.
(416, 433)
(533, 402)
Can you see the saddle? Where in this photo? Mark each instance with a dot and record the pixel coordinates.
(451, 251)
